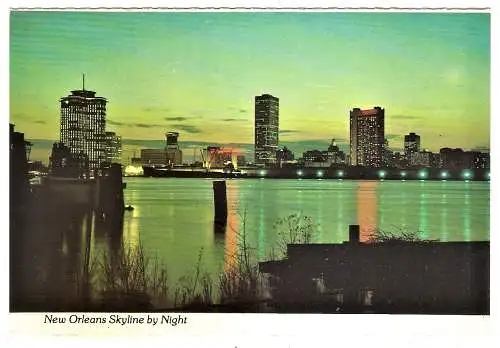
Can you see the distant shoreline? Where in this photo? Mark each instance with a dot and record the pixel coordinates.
(305, 178)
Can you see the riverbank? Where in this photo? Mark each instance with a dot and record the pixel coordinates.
(343, 173)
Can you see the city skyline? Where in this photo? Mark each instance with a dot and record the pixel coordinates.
(431, 77)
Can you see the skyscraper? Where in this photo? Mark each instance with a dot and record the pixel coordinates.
(83, 122)
(173, 152)
(411, 145)
(113, 147)
(367, 137)
(266, 129)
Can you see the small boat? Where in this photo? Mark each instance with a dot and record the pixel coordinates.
(129, 207)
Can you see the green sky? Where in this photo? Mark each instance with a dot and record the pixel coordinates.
(198, 73)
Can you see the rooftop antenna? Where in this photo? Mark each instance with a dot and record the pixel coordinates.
(83, 81)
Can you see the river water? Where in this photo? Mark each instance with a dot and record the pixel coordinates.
(173, 218)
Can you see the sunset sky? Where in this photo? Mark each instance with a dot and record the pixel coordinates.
(198, 73)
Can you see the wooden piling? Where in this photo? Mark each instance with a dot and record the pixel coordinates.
(220, 203)
(110, 192)
(353, 233)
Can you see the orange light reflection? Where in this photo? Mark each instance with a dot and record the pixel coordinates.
(367, 209)
(232, 229)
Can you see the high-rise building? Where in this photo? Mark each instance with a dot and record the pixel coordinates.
(266, 129)
(154, 157)
(454, 158)
(284, 155)
(172, 140)
(421, 158)
(411, 145)
(174, 153)
(83, 122)
(113, 147)
(367, 137)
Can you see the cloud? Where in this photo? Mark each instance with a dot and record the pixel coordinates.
(176, 118)
(115, 123)
(234, 108)
(187, 128)
(21, 115)
(233, 120)
(40, 122)
(288, 131)
(156, 109)
(147, 125)
(405, 117)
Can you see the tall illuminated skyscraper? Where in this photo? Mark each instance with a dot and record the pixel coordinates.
(367, 137)
(83, 123)
(266, 129)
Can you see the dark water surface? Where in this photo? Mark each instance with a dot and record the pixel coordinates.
(173, 218)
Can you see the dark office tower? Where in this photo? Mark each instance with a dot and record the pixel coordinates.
(266, 129)
(367, 137)
(173, 152)
(172, 140)
(412, 145)
(83, 121)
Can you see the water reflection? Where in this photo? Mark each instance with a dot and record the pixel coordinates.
(233, 223)
(444, 216)
(367, 208)
(423, 213)
(466, 213)
(51, 254)
(131, 234)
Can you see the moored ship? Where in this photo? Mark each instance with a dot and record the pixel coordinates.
(186, 172)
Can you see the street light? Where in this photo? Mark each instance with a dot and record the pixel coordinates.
(467, 175)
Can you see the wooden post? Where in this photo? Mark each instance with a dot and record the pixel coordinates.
(353, 233)
(110, 191)
(220, 203)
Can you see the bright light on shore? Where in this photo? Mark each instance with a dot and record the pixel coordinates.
(133, 171)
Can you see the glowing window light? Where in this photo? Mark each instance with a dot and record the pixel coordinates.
(422, 174)
(381, 174)
(488, 175)
(444, 175)
(467, 174)
(403, 174)
(320, 174)
(340, 173)
(262, 172)
(299, 172)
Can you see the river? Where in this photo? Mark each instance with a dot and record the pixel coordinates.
(173, 218)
